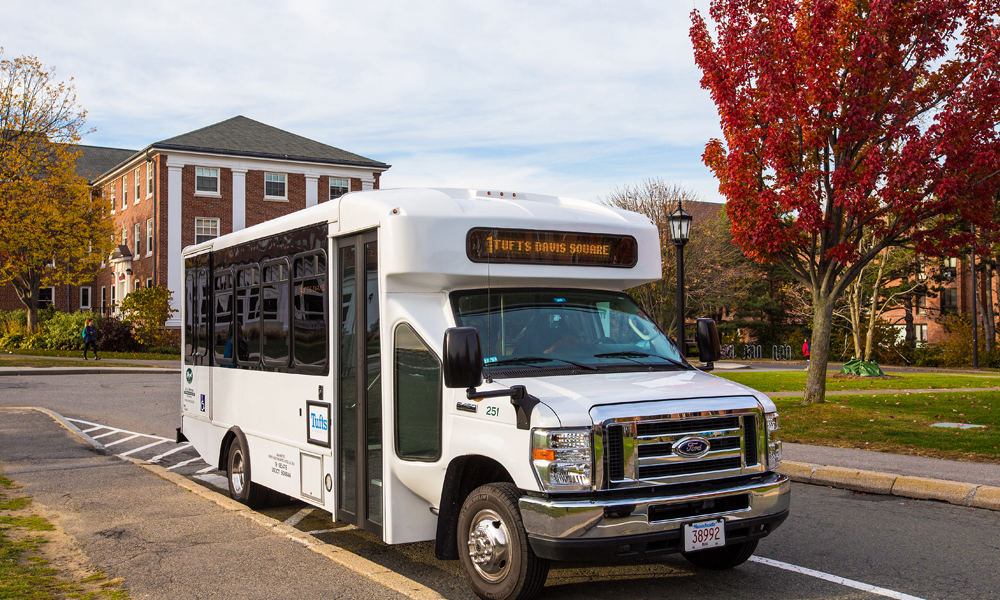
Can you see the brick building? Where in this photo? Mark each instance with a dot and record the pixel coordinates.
(196, 186)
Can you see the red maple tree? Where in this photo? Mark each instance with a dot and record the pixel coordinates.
(850, 126)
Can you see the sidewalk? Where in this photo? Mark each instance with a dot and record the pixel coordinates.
(93, 367)
(165, 541)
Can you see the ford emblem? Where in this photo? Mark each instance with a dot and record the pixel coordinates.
(692, 447)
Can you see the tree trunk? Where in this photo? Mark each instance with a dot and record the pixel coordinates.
(819, 353)
(986, 306)
(27, 293)
(870, 334)
(855, 307)
(911, 334)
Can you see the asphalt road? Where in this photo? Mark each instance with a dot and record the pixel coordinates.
(907, 548)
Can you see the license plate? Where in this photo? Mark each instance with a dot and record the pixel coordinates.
(707, 534)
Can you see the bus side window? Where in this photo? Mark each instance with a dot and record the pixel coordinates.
(276, 312)
(190, 309)
(417, 397)
(247, 334)
(309, 285)
(223, 330)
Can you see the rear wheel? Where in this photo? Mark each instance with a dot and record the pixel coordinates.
(498, 560)
(241, 486)
(727, 557)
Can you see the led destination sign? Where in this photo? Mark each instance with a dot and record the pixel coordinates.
(530, 247)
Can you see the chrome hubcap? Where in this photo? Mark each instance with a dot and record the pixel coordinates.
(489, 545)
(236, 472)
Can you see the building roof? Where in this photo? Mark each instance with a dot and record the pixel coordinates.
(245, 137)
(96, 160)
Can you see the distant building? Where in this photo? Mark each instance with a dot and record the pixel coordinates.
(194, 187)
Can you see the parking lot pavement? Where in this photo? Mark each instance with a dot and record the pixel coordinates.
(163, 540)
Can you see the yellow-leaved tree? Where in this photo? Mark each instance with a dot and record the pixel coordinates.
(53, 230)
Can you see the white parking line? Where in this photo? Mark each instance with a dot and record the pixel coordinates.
(125, 439)
(205, 470)
(143, 448)
(169, 452)
(112, 432)
(181, 464)
(834, 579)
(93, 428)
(293, 520)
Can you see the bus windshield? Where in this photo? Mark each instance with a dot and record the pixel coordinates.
(582, 330)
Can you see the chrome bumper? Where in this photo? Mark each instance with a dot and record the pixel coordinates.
(593, 520)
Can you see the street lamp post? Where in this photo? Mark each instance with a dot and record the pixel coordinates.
(680, 227)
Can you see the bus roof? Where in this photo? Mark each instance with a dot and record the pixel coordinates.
(423, 236)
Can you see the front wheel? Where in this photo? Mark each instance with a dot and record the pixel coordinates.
(498, 560)
(241, 486)
(726, 557)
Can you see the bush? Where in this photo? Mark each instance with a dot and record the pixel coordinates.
(63, 330)
(148, 309)
(115, 335)
(13, 322)
(11, 341)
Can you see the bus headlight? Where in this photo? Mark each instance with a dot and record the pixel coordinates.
(773, 441)
(562, 459)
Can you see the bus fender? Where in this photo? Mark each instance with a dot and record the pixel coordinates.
(464, 474)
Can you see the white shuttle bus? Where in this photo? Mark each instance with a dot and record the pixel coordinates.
(463, 366)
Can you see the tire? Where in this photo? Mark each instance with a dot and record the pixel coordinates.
(241, 485)
(493, 546)
(727, 557)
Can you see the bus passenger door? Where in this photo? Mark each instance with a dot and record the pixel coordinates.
(197, 385)
(359, 397)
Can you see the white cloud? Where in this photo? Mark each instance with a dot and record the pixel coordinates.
(579, 96)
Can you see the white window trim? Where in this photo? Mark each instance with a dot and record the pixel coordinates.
(114, 198)
(218, 227)
(124, 191)
(149, 282)
(137, 231)
(149, 237)
(137, 185)
(53, 293)
(329, 187)
(218, 183)
(90, 298)
(149, 180)
(276, 198)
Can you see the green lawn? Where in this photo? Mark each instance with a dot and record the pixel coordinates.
(899, 423)
(787, 381)
(9, 360)
(79, 353)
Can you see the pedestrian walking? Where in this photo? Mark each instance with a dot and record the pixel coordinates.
(89, 334)
(805, 351)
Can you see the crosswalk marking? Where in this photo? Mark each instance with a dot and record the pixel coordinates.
(181, 464)
(169, 452)
(156, 443)
(124, 439)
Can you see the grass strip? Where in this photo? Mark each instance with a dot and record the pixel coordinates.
(24, 573)
(79, 353)
(41, 363)
(899, 423)
(785, 381)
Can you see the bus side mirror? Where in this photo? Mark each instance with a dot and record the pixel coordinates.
(709, 346)
(463, 358)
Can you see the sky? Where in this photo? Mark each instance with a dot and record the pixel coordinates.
(569, 98)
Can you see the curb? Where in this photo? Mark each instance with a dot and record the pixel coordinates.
(32, 371)
(873, 482)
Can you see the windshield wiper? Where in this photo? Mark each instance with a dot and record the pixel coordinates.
(635, 353)
(518, 359)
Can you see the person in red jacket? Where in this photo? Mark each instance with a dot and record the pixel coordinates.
(805, 351)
